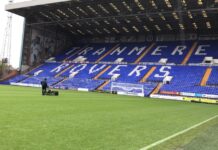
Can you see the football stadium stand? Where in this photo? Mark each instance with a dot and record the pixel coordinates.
(138, 63)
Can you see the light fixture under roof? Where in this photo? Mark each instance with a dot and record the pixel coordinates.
(169, 26)
(103, 9)
(139, 4)
(78, 24)
(184, 3)
(169, 5)
(175, 15)
(98, 31)
(117, 21)
(90, 32)
(157, 27)
(162, 16)
(127, 21)
(114, 7)
(82, 11)
(43, 14)
(204, 13)
(80, 32)
(138, 19)
(208, 25)
(63, 13)
(127, 6)
(181, 26)
(70, 25)
(96, 22)
(125, 29)
(92, 9)
(146, 28)
(135, 28)
(190, 15)
(153, 4)
(107, 22)
(106, 30)
(195, 25)
(115, 29)
(73, 12)
(54, 15)
(150, 18)
(73, 32)
(200, 2)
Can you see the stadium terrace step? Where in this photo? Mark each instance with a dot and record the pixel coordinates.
(102, 72)
(58, 75)
(147, 75)
(103, 85)
(59, 82)
(157, 89)
(66, 59)
(23, 79)
(37, 80)
(79, 83)
(26, 72)
(187, 57)
(144, 53)
(102, 57)
(18, 78)
(206, 77)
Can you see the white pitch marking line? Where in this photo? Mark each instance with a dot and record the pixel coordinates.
(178, 133)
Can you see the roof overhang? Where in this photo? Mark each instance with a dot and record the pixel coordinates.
(32, 3)
(116, 17)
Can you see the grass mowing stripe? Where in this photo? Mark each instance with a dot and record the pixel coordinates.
(177, 134)
(93, 121)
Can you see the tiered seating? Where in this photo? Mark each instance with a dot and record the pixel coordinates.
(189, 79)
(181, 74)
(175, 52)
(128, 52)
(128, 73)
(37, 80)
(184, 77)
(68, 53)
(75, 83)
(49, 69)
(213, 78)
(204, 49)
(84, 70)
(92, 52)
(190, 89)
(191, 75)
(18, 78)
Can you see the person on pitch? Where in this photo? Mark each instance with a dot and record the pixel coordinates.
(44, 86)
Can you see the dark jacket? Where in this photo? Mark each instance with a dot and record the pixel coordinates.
(44, 84)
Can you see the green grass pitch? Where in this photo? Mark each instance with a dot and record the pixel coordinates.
(96, 121)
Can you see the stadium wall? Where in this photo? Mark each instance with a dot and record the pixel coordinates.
(41, 43)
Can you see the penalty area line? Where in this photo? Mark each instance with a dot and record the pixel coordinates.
(177, 134)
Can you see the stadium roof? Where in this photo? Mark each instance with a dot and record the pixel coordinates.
(109, 17)
(32, 3)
